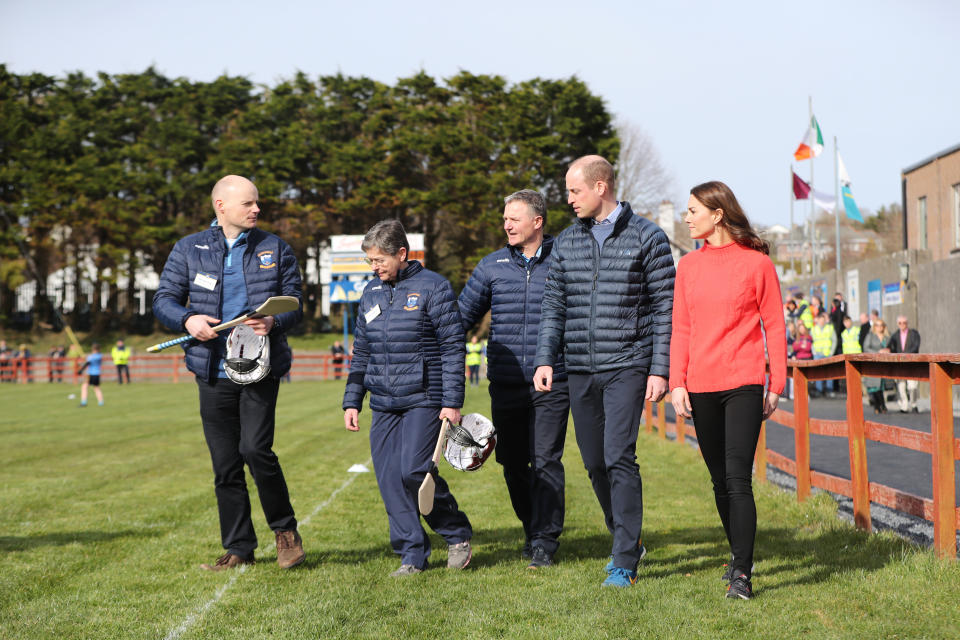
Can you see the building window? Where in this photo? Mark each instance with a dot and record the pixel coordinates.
(956, 215)
(922, 221)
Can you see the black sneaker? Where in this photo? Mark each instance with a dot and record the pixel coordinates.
(728, 572)
(527, 552)
(540, 558)
(740, 587)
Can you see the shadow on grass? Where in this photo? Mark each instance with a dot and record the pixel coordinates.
(807, 559)
(26, 543)
(832, 552)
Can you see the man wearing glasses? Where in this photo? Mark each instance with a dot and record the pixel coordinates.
(905, 340)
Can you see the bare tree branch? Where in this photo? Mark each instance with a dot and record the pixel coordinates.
(642, 179)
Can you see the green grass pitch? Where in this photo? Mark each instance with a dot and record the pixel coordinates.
(106, 513)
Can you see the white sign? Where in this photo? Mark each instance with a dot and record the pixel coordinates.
(347, 258)
(853, 294)
(891, 294)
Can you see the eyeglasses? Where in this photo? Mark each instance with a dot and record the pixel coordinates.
(376, 262)
(902, 323)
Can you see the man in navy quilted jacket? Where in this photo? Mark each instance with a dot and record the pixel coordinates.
(607, 305)
(531, 425)
(220, 273)
(408, 352)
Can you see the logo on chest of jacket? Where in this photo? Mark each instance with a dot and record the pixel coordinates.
(413, 302)
(266, 260)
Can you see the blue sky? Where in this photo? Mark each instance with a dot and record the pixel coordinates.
(720, 87)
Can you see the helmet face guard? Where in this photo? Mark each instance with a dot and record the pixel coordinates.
(248, 356)
(470, 443)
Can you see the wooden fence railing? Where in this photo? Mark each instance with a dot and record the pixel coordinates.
(940, 370)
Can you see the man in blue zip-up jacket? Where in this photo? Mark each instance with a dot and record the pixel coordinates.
(408, 352)
(608, 305)
(531, 425)
(224, 271)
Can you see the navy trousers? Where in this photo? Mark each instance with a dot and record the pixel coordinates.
(402, 445)
(238, 424)
(531, 429)
(607, 407)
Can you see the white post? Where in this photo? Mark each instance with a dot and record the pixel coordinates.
(836, 203)
(790, 235)
(814, 267)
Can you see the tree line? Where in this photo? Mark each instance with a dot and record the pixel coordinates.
(116, 168)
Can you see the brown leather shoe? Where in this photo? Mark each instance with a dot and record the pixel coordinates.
(289, 549)
(226, 561)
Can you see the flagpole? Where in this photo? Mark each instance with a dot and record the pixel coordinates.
(813, 204)
(790, 235)
(836, 206)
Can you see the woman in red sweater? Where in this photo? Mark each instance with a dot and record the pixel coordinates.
(723, 292)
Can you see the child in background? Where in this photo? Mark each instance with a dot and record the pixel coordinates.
(93, 362)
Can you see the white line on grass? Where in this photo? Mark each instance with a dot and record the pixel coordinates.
(191, 619)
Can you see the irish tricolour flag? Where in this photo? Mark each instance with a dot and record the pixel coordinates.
(812, 144)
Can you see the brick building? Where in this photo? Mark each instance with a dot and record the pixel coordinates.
(931, 204)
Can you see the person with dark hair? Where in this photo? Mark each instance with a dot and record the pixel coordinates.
(474, 359)
(7, 372)
(824, 345)
(816, 307)
(55, 358)
(338, 353)
(222, 272)
(120, 354)
(727, 301)
(606, 307)
(850, 337)
(864, 330)
(408, 352)
(531, 425)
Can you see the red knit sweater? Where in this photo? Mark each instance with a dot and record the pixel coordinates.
(720, 296)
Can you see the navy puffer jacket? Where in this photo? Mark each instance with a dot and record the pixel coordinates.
(269, 269)
(513, 289)
(408, 348)
(609, 308)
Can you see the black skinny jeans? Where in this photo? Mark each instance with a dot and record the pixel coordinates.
(728, 427)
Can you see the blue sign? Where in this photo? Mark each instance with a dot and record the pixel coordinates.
(874, 295)
(346, 290)
(891, 294)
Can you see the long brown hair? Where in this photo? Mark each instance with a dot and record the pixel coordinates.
(717, 195)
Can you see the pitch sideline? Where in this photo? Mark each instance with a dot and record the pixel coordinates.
(198, 613)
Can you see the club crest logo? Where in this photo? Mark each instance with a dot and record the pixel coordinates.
(413, 302)
(266, 260)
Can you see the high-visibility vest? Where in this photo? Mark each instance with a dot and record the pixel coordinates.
(821, 339)
(473, 354)
(806, 317)
(120, 356)
(851, 340)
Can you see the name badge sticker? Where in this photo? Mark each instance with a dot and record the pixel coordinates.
(372, 313)
(205, 281)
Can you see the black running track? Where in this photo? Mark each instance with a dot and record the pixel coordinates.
(902, 469)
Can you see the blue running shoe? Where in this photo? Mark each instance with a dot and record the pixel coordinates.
(610, 566)
(620, 578)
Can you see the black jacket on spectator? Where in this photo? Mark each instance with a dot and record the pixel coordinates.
(913, 342)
